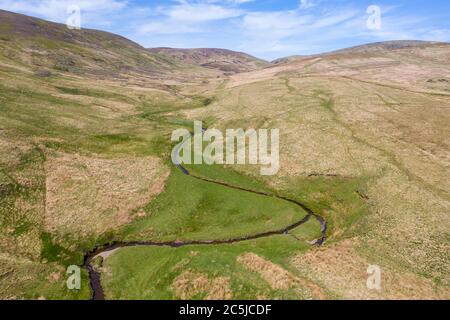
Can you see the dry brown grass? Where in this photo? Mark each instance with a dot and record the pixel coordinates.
(343, 271)
(191, 284)
(408, 226)
(92, 195)
(279, 278)
(18, 274)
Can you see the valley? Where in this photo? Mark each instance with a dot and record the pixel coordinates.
(86, 119)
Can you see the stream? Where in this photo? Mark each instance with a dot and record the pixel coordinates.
(95, 276)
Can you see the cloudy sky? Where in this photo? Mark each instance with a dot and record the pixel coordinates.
(266, 28)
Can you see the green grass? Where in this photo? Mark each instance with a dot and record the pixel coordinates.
(54, 44)
(204, 101)
(114, 138)
(336, 199)
(95, 93)
(157, 110)
(22, 183)
(190, 209)
(149, 272)
(309, 231)
(51, 251)
(230, 176)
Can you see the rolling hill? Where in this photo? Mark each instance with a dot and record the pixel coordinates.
(370, 49)
(46, 47)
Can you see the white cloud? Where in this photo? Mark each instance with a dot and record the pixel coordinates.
(200, 12)
(241, 1)
(283, 24)
(56, 10)
(189, 16)
(274, 24)
(166, 27)
(306, 4)
(311, 26)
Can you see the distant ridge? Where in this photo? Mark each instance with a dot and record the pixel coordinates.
(388, 45)
(368, 48)
(222, 59)
(53, 46)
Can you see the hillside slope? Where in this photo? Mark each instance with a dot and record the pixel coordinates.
(410, 65)
(46, 47)
(225, 60)
(379, 114)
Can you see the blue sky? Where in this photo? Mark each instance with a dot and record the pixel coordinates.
(265, 28)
